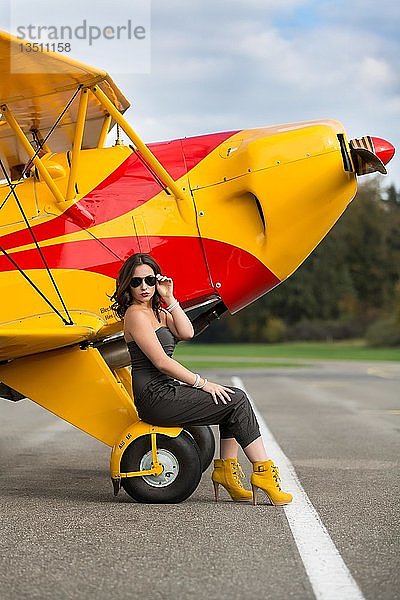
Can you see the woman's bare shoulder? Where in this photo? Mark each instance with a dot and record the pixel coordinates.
(135, 320)
(136, 316)
(132, 309)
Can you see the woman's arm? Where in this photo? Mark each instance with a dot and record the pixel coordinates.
(177, 320)
(179, 323)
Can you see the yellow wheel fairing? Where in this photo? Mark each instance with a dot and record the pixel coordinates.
(134, 431)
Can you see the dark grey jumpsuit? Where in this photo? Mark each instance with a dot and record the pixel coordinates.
(161, 400)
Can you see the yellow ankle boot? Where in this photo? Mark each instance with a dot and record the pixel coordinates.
(266, 477)
(227, 472)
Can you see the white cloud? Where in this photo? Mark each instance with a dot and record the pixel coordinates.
(375, 72)
(267, 71)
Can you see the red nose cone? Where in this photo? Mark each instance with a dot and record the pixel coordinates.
(383, 149)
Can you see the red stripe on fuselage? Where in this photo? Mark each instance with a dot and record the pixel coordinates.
(242, 277)
(129, 186)
(190, 276)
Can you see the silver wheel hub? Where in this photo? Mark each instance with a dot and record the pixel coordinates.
(170, 468)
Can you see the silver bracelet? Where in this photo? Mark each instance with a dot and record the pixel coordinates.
(200, 387)
(196, 381)
(172, 306)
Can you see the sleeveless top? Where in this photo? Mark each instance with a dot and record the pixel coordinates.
(143, 370)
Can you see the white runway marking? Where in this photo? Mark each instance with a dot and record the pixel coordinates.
(326, 570)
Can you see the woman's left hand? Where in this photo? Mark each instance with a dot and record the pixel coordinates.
(165, 287)
(218, 391)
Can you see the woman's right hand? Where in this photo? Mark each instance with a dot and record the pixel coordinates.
(218, 391)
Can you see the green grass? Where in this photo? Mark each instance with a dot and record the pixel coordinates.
(205, 363)
(267, 355)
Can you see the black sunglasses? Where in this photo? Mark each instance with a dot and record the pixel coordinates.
(149, 280)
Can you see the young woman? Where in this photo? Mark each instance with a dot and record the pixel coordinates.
(151, 333)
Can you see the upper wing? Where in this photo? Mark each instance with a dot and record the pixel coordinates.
(37, 86)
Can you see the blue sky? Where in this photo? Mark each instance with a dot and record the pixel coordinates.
(219, 65)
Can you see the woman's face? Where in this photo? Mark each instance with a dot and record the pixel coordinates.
(144, 292)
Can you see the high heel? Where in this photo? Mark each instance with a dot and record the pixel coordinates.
(216, 490)
(254, 489)
(265, 477)
(228, 473)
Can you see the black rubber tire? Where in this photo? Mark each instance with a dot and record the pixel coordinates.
(187, 455)
(204, 438)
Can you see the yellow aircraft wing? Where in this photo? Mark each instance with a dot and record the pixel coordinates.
(45, 332)
(37, 86)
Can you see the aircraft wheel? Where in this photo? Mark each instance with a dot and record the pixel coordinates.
(181, 460)
(204, 438)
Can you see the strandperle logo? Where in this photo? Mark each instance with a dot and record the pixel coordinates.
(85, 31)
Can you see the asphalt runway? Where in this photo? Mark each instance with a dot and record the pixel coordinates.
(63, 535)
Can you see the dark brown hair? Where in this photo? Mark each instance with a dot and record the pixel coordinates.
(123, 296)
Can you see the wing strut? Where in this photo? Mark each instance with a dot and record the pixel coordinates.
(34, 154)
(77, 145)
(78, 213)
(147, 155)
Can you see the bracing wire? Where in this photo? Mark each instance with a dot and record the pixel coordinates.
(70, 322)
(150, 170)
(12, 192)
(33, 284)
(56, 122)
(30, 161)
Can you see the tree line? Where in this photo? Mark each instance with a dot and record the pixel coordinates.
(349, 287)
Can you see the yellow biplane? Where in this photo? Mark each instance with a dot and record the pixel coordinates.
(242, 206)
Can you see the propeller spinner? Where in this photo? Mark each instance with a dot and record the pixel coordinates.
(371, 154)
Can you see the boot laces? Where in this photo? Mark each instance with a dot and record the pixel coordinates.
(275, 476)
(237, 473)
